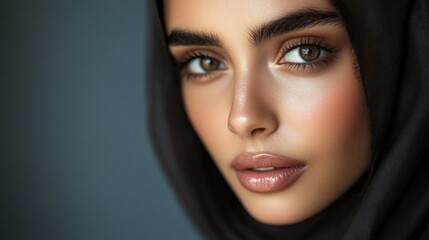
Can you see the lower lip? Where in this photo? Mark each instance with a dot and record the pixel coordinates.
(269, 181)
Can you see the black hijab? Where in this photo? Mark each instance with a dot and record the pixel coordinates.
(391, 40)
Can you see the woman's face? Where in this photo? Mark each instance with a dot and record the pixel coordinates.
(271, 87)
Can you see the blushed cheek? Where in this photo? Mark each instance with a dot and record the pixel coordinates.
(341, 118)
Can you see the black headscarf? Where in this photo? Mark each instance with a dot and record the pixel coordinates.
(391, 41)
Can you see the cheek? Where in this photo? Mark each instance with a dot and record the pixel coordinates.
(337, 135)
(207, 110)
(331, 118)
(341, 113)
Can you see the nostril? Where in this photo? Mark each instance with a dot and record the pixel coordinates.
(257, 131)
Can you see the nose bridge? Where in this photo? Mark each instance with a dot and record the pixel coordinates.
(251, 111)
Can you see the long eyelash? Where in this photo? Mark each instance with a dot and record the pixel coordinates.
(311, 65)
(181, 65)
(307, 41)
(191, 56)
(332, 50)
(195, 77)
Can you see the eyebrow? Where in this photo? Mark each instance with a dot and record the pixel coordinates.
(180, 37)
(291, 22)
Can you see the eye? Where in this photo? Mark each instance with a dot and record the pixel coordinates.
(204, 65)
(305, 53)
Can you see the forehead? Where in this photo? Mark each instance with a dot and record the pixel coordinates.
(214, 15)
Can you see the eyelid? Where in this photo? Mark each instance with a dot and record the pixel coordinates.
(288, 45)
(184, 59)
(185, 56)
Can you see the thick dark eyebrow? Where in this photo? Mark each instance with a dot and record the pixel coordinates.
(293, 22)
(179, 37)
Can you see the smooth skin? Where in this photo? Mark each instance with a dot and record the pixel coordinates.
(246, 96)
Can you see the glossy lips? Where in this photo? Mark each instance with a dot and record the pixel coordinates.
(265, 172)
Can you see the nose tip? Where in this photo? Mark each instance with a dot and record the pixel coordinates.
(253, 107)
(252, 122)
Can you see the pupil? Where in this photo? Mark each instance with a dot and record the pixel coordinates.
(309, 52)
(209, 64)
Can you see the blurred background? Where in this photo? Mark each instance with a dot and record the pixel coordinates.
(75, 158)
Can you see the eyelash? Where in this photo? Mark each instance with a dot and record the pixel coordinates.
(190, 57)
(285, 48)
(295, 43)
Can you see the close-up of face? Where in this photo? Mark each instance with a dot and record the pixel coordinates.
(273, 91)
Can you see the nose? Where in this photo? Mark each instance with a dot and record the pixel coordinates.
(252, 112)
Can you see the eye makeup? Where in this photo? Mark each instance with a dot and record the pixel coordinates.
(297, 47)
(310, 52)
(291, 56)
(200, 65)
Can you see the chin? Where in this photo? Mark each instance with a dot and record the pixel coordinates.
(273, 217)
(274, 211)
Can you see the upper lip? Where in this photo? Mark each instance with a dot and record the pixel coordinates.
(263, 160)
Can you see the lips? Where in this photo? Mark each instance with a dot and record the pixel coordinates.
(266, 172)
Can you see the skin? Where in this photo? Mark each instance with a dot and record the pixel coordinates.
(258, 103)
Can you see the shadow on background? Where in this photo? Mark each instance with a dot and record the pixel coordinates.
(75, 157)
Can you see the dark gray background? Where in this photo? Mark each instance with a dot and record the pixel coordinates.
(76, 162)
